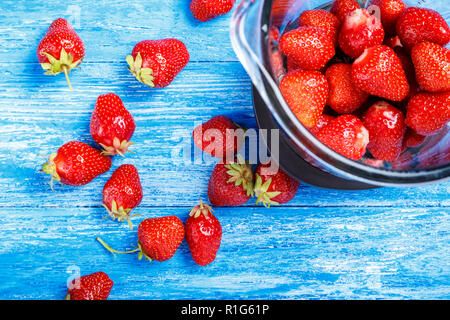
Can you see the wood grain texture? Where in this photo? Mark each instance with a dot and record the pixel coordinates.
(112, 28)
(384, 243)
(301, 253)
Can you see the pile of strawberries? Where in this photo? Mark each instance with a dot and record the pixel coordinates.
(375, 79)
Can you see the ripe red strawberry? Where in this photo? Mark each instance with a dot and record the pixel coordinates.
(158, 238)
(343, 96)
(346, 135)
(279, 11)
(157, 62)
(122, 192)
(390, 11)
(428, 161)
(427, 113)
(76, 163)
(379, 71)
(321, 19)
(112, 125)
(432, 65)
(95, 286)
(276, 59)
(407, 65)
(306, 93)
(61, 49)
(203, 234)
(309, 47)
(205, 10)
(291, 65)
(219, 136)
(273, 186)
(341, 8)
(360, 31)
(410, 72)
(416, 25)
(394, 42)
(323, 121)
(386, 126)
(412, 139)
(230, 184)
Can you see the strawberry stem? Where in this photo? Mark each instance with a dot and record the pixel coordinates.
(67, 76)
(107, 247)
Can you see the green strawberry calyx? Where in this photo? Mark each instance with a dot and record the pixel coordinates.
(241, 175)
(50, 168)
(202, 208)
(118, 147)
(64, 64)
(144, 75)
(262, 194)
(113, 251)
(120, 213)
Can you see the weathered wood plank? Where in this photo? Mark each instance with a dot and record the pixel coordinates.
(385, 243)
(362, 253)
(110, 29)
(40, 114)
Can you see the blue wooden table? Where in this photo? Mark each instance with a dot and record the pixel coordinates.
(385, 243)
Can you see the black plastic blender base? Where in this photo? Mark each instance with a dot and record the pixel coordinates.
(293, 163)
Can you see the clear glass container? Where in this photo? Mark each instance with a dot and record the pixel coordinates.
(255, 44)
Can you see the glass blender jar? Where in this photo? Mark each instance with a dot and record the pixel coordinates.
(301, 154)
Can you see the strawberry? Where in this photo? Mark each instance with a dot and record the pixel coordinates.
(341, 8)
(343, 96)
(273, 186)
(230, 184)
(390, 11)
(407, 65)
(379, 71)
(427, 160)
(393, 42)
(346, 135)
(427, 112)
(386, 126)
(279, 10)
(158, 238)
(61, 49)
(219, 136)
(412, 139)
(432, 65)
(274, 34)
(203, 234)
(205, 10)
(122, 192)
(306, 93)
(416, 25)
(360, 31)
(291, 65)
(112, 126)
(157, 62)
(95, 286)
(309, 47)
(276, 58)
(323, 121)
(321, 19)
(410, 73)
(76, 164)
